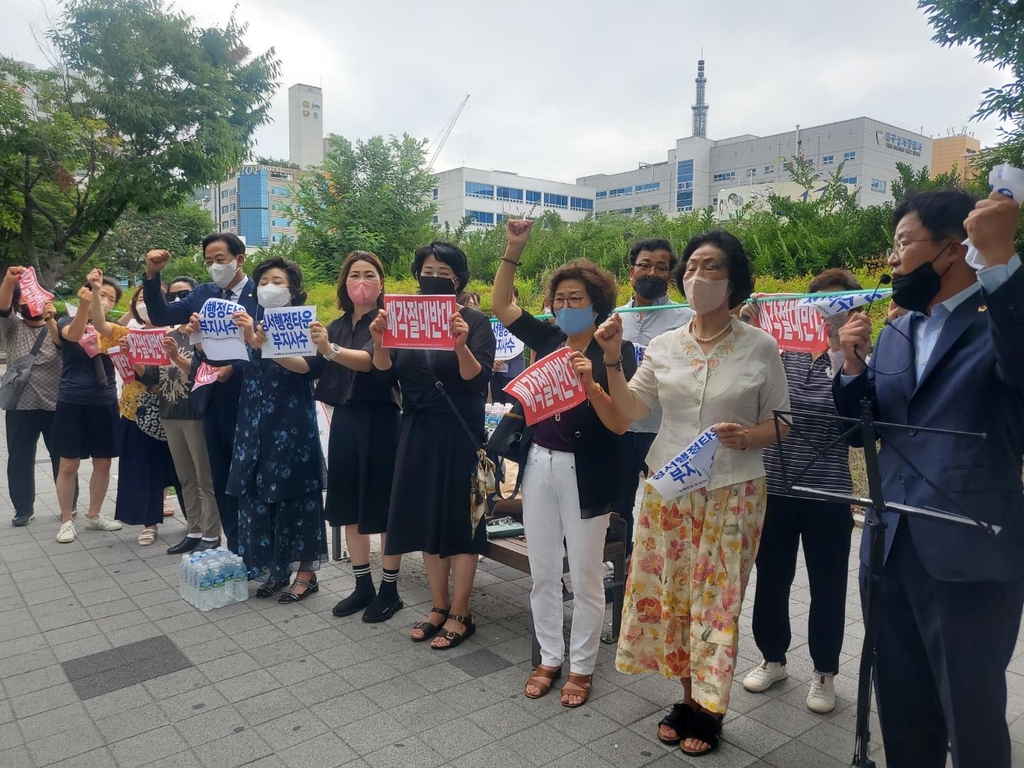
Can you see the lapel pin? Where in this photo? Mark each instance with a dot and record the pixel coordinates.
(983, 308)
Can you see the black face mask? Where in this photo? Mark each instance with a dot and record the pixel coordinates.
(437, 286)
(651, 287)
(23, 311)
(915, 290)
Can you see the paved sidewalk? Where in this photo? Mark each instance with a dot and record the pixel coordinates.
(269, 685)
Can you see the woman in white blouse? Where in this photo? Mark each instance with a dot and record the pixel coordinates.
(692, 555)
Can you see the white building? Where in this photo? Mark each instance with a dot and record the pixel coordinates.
(699, 171)
(491, 197)
(305, 125)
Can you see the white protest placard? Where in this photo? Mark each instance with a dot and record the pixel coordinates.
(548, 387)
(688, 471)
(506, 345)
(220, 336)
(287, 330)
(834, 305)
(323, 424)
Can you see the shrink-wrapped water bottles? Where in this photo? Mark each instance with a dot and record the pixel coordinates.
(213, 579)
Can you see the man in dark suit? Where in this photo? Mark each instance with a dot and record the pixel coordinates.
(218, 402)
(951, 595)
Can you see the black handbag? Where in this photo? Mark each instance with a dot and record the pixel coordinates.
(506, 442)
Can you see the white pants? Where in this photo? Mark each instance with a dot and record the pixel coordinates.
(551, 512)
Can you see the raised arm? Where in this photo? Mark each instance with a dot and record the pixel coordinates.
(7, 287)
(160, 312)
(518, 232)
(74, 330)
(626, 405)
(96, 313)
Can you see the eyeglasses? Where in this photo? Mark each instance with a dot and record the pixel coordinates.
(655, 268)
(573, 302)
(899, 245)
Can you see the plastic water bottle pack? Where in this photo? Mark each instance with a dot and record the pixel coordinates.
(213, 579)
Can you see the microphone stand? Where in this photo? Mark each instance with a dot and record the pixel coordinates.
(874, 528)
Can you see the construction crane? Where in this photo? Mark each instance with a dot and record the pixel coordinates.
(439, 141)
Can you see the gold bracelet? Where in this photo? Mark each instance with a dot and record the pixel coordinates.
(746, 444)
(598, 393)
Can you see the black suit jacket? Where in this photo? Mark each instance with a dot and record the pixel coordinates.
(973, 382)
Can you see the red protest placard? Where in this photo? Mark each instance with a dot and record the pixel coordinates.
(419, 322)
(146, 346)
(122, 364)
(796, 326)
(32, 292)
(548, 387)
(90, 341)
(205, 374)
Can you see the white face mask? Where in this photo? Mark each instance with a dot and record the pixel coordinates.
(273, 296)
(705, 295)
(142, 312)
(223, 274)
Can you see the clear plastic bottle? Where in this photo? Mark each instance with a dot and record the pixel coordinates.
(183, 576)
(205, 587)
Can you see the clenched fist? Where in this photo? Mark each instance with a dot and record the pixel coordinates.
(156, 260)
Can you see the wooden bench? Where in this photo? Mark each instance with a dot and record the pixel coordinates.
(512, 552)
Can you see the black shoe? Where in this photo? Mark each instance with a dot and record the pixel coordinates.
(354, 603)
(184, 546)
(205, 545)
(22, 519)
(382, 610)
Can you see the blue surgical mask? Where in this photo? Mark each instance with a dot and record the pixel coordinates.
(574, 321)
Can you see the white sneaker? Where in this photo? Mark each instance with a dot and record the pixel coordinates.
(66, 534)
(821, 697)
(101, 523)
(764, 676)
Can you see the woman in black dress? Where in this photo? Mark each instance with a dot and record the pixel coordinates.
(430, 500)
(364, 433)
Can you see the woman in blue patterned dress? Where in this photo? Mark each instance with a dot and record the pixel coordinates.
(277, 468)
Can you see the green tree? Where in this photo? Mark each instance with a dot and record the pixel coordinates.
(909, 181)
(179, 230)
(995, 29)
(140, 108)
(371, 195)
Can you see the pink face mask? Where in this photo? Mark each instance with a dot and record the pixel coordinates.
(363, 292)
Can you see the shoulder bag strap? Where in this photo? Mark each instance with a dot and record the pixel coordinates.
(474, 439)
(39, 341)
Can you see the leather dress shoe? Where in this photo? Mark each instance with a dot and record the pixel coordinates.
(185, 546)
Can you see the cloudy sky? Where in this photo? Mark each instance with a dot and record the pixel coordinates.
(563, 88)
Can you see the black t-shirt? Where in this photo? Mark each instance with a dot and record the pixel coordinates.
(339, 384)
(84, 380)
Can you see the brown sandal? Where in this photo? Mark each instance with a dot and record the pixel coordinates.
(429, 629)
(576, 685)
(541, 678)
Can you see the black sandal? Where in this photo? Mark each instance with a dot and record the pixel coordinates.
(428, 629)
(703, 727)
(291, 597)
(456, 638)
(678, 719)
(270, 588)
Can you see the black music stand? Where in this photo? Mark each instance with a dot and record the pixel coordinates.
(874, 527)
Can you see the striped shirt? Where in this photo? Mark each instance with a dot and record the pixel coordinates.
(810, 390)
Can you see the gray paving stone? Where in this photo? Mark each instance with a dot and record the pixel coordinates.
(287, 730)
(326, 751)
(74, 740)
(53, 721)
(266, 706)
(345, 709)
(479, 663)
(372, 733)
(123, 700)
(438, 677)
(318, 689)
(538, 744)
(96, 758)
(411, 751)
(797, 754)
(37, 680)
(192, 702)
(210, 726)
(33, 703)
(235, 750)
(10, 736)
(784, 718)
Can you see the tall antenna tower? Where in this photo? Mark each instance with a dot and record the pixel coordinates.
(700, 109)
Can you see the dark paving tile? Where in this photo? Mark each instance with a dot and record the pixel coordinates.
(479, 663)
(111, 670)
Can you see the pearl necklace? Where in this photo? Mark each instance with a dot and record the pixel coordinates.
(709, 339)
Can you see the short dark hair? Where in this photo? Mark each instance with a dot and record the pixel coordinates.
(446, 253)
(233, 242)
(344, 302)
(293, 270)
(840, 278)
(737, 262)
(652, 244)
(600, 284)
(190, 281)
(464, 297)
(941, 211)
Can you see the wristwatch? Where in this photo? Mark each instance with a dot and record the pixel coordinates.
(335, 349)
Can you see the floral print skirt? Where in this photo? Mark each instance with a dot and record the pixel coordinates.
(692, 558)
(275, 537)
